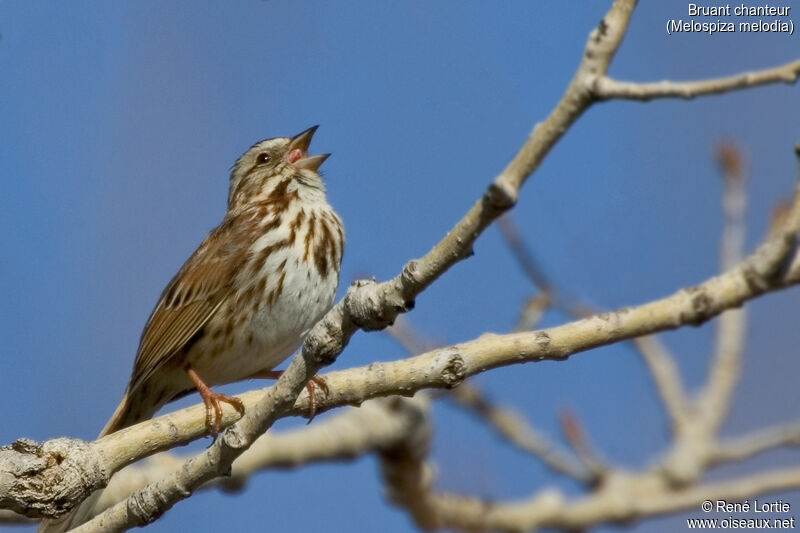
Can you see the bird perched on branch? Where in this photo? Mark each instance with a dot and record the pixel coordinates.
(244, 300)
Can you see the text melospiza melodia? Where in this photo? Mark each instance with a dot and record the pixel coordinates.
(243, 301)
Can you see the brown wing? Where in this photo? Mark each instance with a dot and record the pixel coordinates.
(192, 297)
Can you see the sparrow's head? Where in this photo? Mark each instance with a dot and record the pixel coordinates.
(281, 164)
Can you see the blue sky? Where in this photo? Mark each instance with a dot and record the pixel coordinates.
(119, 123)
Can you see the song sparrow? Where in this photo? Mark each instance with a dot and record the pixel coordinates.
(244, 300)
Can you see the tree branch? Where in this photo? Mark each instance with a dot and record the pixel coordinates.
(377, 426)
(517, 431)
(606, 88)
(622, 499)
(715, 399)
(600, 48)
(756, 442)
(659, 361)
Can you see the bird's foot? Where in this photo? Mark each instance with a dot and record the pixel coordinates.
(212, 401)
(311, 387)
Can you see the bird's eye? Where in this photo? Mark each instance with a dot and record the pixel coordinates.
(262, 158)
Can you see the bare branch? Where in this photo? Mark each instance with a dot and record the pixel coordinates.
(407, 337)
(780, 222)
(666, 377)
(532, 312)
(377, 426)
(607, 88)
(406, 475)
(576, 436)
(516, 430)
(600, 48)
(756, 442)
(658, 359)
(530, 266)
(620, 500)
(552, 295)
(714, 401)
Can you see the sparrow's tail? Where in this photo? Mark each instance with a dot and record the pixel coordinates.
(124, 415)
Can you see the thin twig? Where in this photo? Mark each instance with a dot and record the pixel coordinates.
(576, 436)
(715, 399)
(607, 88)
(660, 362)
(408, 337)
(515, 429)
(756, 442)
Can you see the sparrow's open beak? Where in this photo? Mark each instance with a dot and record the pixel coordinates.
(297, 153)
